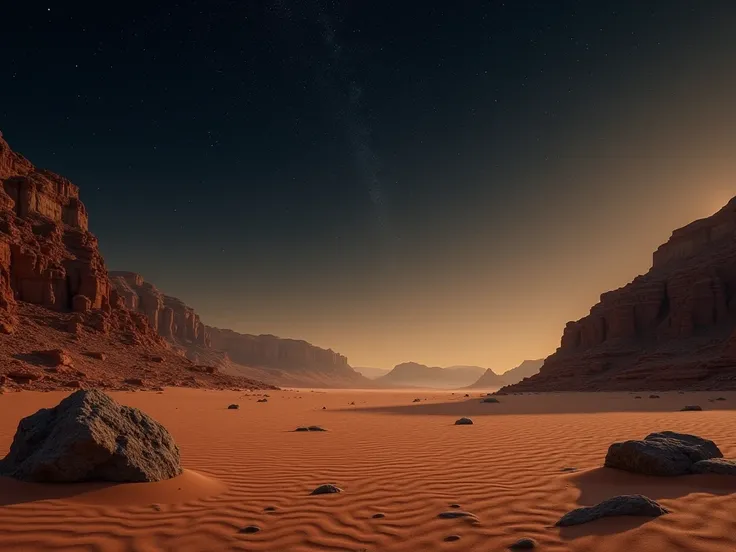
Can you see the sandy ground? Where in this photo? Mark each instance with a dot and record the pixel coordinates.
(392, 456)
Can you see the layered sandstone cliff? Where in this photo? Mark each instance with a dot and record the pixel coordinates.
(61, 322)
(264, 357)
(670, 328)
(172, 319)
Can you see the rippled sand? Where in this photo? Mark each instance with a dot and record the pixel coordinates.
(390, 455)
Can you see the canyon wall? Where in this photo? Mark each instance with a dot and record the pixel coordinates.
(669, 328)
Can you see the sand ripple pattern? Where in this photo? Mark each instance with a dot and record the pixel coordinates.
(505, 469)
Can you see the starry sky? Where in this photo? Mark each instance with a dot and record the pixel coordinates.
(446, 183)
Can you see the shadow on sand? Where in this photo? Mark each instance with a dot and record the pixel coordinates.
(19, 492)
(558, 403)
(598, 484)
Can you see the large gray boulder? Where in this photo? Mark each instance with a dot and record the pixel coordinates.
(90, 437)
(625, 505)
(666, 453)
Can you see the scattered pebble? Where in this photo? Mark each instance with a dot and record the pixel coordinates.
(233, 407)
(691, 408)
(452, 538)
(269, 509)
(638, 397)
(310, 428)
(454, 506)
(464, 421)
(326, 489)
(569, 469)
(262, 400)
(250, 529)
(491, 400)
(523, 544)
(653, 396)
(626, 505)
(378, 516)
(417, 400)
(457, 514)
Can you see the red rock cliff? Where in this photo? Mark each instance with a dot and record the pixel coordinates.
(47, 255)
(269, 351)
(173, 319)
(670, 328)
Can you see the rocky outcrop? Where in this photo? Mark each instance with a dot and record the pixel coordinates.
(55, 294)
(47, 255)
(413, 374)
(90, 437)
(172, 319)
(625, 505)
(670, 328)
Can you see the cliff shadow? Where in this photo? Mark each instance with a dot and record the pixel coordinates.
(562, 403)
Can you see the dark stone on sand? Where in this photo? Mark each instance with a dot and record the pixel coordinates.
(452, 538)
(721, 398)
(653, 396)
(464, 421)
(637, 397)
(467, 395)
(523, 544)
(250, 529)
(326, 489)
(719, 466)
(666, 454)
(262, 400)
(90, 437)
(233, 407)
(491, 400)
(310, 428)
(417, 400)
(691, 408)
(625, 505)
(569, 469)
(454, 506)
(378, 516)
(269, 509)
(302, 429)
(456, 514)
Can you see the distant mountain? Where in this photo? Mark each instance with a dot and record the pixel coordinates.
(413, 374)
(372, 373)
(524, 370)
(488, 380)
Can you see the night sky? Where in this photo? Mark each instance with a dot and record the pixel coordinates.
(443, 182)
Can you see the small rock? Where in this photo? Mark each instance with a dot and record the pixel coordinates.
(302, 428)
(324, 408)
(378, 516)
(638, 397)
(250, 529)
(653, 396)
(457, 514)
(233, 407)
(156, 358)
(262, 400)
(454, 506)
(719, 466)
(691, 408)
(569, 469)
(316, 428)
(452, 538)
(625, 505)
(467, 395)
(417, 400)
(96, 355)
(270, 509)
(523, 544)
(464, 421)
(326, 489)
(721, 398)
(134, 381)
(491, 400)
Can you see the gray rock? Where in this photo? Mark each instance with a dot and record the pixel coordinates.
(491, 400)
(718, 466)
(326, 489)
(691, 408)
(250, 529)
(464, 421)
(302, 428)
(523, 544)
(666, 454)
(626, 505)
(233, 407)
(316, 428)
(90, 437)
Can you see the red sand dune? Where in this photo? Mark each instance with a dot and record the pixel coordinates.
(389, 455)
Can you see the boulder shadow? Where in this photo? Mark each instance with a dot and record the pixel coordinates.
(14, 492)
(599, 484)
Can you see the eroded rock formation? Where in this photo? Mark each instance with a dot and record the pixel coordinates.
(172, 319)
(670, 328)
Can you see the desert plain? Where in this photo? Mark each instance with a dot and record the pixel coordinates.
(521, 465)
